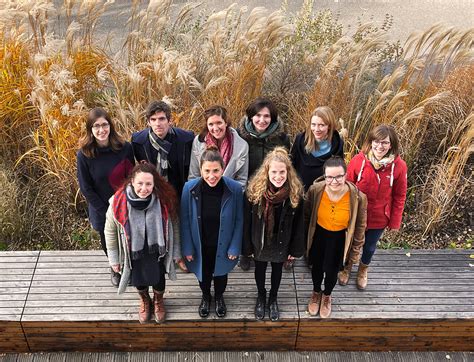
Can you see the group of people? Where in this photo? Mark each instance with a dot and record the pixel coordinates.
(171, 199)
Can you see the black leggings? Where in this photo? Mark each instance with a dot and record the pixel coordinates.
(260, 271)
(208, 266)
(330, 279)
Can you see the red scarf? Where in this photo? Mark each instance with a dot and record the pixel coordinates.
(271, 197)
(226, 147)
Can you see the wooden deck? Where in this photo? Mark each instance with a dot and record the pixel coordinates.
(63, 301)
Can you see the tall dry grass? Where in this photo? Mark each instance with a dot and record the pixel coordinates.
(194, 59)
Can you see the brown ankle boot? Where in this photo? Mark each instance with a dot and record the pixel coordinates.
(145, 306)
(343, 275)
(325, 310)
(159, 304)
(362, 276)
(314, 302)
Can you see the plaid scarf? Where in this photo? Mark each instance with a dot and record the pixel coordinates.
(163, 147)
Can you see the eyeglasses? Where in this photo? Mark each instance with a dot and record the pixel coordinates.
(330, 179)
(96, 127)
(381, 143)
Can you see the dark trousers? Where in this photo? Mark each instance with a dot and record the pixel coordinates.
(371, 238)
(260, 271)
(208, 266)
(102, 241)
(330, 279)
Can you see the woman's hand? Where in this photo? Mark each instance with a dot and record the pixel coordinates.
(189, 257)
(232, 257)
(181, 265)
(116, 268)
(291, 257)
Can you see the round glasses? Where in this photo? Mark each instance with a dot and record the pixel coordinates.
(338, 178)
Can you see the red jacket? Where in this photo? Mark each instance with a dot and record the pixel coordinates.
(385, 188)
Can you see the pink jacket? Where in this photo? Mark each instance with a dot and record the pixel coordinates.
(385, 188)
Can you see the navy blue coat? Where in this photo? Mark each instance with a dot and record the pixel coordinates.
(178, 157)
(230, 231)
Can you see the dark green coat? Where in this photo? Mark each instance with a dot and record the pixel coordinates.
(259, 147)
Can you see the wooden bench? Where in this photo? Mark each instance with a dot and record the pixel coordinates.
(63, 301)
(418, 300)
(16, 272)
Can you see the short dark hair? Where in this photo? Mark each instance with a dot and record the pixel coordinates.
(258, 104)
(211, 154)
(334, 161)
(156, 107)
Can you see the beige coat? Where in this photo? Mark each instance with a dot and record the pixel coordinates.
(355, 234)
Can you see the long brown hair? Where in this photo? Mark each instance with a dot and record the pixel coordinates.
(214, 111)
(162, 189)
(87, 143)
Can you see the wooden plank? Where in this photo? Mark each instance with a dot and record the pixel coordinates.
(127, 336)
(376, 335)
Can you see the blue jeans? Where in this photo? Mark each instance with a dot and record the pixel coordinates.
(371, 238)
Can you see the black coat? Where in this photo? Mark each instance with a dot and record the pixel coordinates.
(290, 239)
(178, 157)
(308, 167)
(259, 147)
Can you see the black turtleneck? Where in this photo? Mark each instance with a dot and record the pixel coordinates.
(211, 212)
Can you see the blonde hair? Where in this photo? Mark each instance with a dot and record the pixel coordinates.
(259, 182)
(329, 119)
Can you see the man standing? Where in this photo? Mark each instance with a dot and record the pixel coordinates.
(167, 147)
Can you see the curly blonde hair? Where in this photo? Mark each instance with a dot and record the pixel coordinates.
(259, 182)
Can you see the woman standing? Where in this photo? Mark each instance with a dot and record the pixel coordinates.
(380, 173)
(142, 234)
(318, 143)
(104, 161)
(335, 218)
(273, 228)
(211, 252)
(263, 130)
(233, 149)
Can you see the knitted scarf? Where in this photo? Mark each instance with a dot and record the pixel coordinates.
(271, 197)
(146, 224)
(226, 147)
(163, 147)
(249, 127)
(378, 164)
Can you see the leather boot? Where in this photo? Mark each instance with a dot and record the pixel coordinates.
(221, 308)
(362, 276)
(260, 306)
(314, 302)
(159, 305)
(274, 312)
(325, 310)
(343, 275)
(114, 278)
(205, 306)
(145, 306)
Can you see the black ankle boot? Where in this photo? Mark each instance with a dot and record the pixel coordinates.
(221, 309)
(114, 278)
(205, 306)
(274, 312)
(260, 306)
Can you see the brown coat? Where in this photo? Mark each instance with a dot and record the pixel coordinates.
(355, 234)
